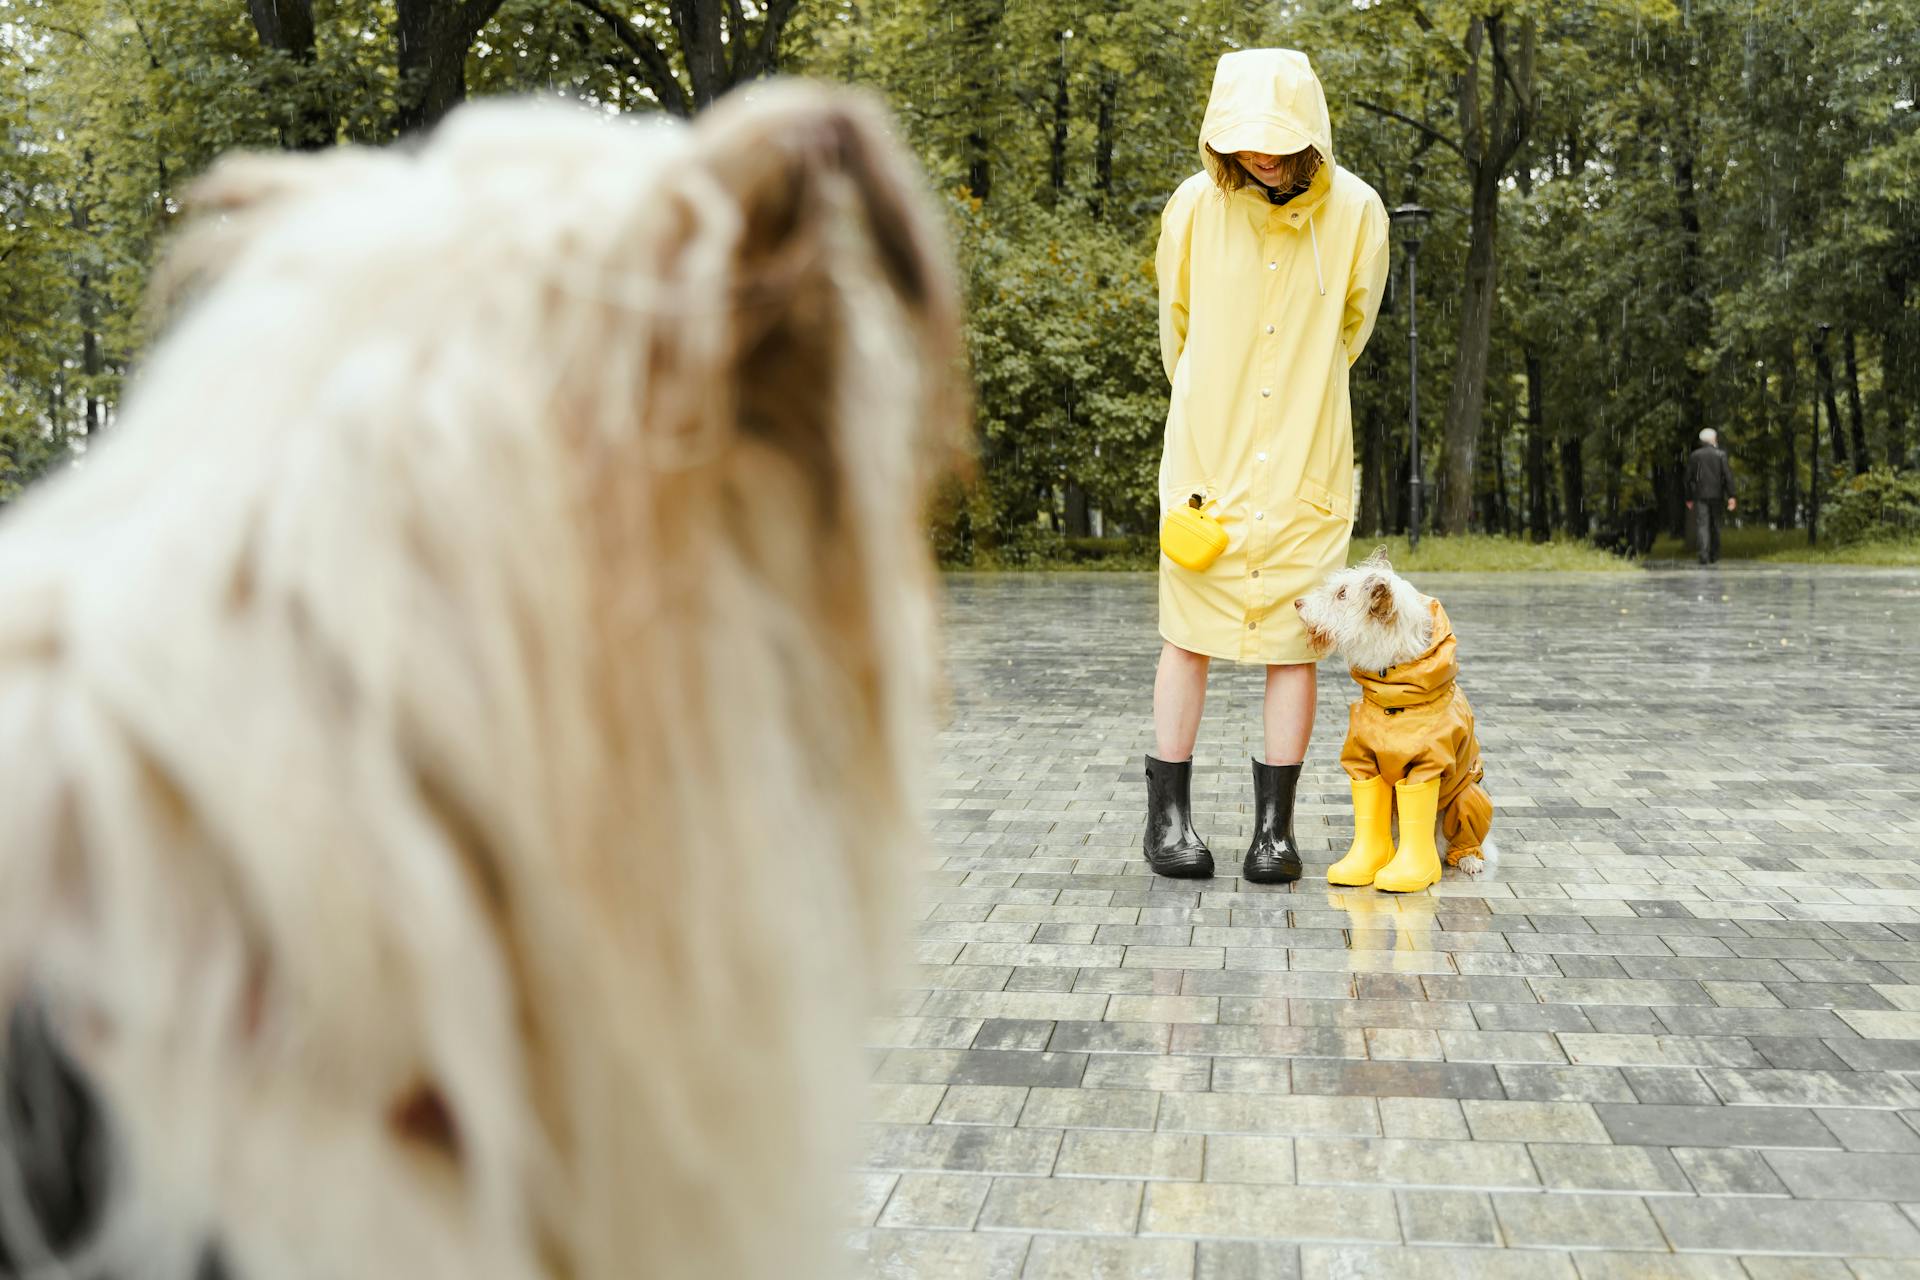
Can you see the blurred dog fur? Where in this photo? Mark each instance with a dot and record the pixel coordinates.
(461, 731)
(1399, 648)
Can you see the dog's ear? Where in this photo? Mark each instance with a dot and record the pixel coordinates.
(1378, 559)
(1379, 599)
(832, 210)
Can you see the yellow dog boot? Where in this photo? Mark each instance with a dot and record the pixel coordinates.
(1417, 862)
(1372, 835)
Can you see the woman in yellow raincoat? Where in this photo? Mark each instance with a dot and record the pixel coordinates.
(1271, 263)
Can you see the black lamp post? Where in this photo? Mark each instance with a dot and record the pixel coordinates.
(1411, 220)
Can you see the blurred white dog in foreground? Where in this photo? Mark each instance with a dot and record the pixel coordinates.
(459, 736)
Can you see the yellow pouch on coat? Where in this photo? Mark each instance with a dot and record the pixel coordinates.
(1191, 537)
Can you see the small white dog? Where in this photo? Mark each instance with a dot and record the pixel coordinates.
(1412, 729)
(461, 731)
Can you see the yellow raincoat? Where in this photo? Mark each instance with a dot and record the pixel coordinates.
(1262, 309)
(1413, 724)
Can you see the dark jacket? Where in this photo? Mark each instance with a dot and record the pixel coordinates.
(1709, 478)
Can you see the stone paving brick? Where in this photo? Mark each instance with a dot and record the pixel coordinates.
(1112, 1153)
(1717, 1126)
(1250, 1212)
(1413, 1162)
(1869, 1131)
(1847, 1175)
(1349, 1262)
(1422, 1118)
(1240, 1158)
(1728, 1171)
(1253, 1113)
(981, 1104)
(1090, 1109)
(941, 1255)
(870, 1194)
(949, 1200)
(1582, 1166)
(1786, 1226)
(1434, 1217)
(1576, 1221)
(1062, 1204)
(1081, 1257)
(1533, 1122)
(1181, 1073)
(1565, 1084)
(1777, 1268)
(1691, 986)
(1246, 1260)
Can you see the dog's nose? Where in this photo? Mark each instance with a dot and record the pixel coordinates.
(1299, 604)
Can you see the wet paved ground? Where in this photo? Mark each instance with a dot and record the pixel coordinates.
(1676, 1032)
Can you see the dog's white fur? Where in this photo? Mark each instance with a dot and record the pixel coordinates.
(1375, 619)
(460, 737)
(1370, 615)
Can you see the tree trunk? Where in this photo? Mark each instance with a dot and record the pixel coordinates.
(1057, 143)
(1823, 370)
(287, 25)
(1103, 144)
(1789, 463)
(1693, 315)
(1573, 485)
(1372, 482)
(1079, 514)
(433, 38)
(1466, 396)
(1489, 141)
(1860, 458)
(1498, 516)
(1536, 449)
(702, 45)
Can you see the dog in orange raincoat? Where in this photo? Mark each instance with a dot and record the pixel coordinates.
(1410, 737)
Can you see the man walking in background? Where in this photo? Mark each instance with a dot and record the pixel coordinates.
(1709, 482)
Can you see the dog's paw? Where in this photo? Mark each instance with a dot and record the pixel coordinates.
(1472, 863)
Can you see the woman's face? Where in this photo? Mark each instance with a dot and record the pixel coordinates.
(1265, 168)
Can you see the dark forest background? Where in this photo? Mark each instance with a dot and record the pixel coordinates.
(1649, 217)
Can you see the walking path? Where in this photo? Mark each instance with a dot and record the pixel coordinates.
(1676, 1033)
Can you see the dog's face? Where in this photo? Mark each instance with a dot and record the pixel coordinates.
(1369, 614)
(462, 734)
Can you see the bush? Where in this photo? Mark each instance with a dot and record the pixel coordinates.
(1882, 505)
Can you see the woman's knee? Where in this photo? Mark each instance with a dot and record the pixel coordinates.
(1173, 653)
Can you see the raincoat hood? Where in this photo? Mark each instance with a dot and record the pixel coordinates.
(1420, 681)
(1266, 100)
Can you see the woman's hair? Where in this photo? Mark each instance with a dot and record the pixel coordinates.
(1296, 169)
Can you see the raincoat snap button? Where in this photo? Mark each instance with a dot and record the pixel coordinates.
(1259, 457)
(1256, 573)
(1266, 391)
(1259, 515)
(1252, 625)
(1273, 266)
(1269, 328)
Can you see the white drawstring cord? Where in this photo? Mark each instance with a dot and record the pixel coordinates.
(1318, 278)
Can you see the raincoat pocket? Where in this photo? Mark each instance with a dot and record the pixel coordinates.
(1325, 501)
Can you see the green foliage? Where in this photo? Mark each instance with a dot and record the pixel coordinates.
(1789, 546)
(1490, 553)
(1704, 183)
(1880, 505)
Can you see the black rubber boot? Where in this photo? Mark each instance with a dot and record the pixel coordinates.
(1172, 847)
(1273, 857)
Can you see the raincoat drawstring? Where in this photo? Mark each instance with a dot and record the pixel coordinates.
(1317, 277)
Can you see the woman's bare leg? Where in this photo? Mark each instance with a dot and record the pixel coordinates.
(1179, 694)
(1289, 711)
